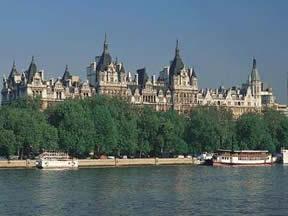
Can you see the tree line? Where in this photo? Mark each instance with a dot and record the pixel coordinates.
(104, 125)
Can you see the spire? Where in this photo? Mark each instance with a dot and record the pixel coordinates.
(105, 58)
(254, 73)
(13, 71)
(177, 63)
(254, 63)
(105, 44)
(122, 70)
(177, 48)
(193, 73)
(66, 74)
(31, 71)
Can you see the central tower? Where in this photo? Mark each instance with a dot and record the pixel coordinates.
(182, 83)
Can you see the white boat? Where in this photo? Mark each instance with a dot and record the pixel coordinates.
(204, 158)
(243, 158)
(56, 160)
(284, 153)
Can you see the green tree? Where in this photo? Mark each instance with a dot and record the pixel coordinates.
(148, 130)
(105, 131)
(253, 133)
(7, 143)
(209, 129)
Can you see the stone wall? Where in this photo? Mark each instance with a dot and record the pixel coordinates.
(106, 162)
(17, 164)
(137, 162)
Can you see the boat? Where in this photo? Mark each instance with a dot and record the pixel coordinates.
(56, 160)
(205, 158)
(243, 158)
(284, 153)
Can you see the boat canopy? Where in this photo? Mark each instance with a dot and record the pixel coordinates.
(243, 151)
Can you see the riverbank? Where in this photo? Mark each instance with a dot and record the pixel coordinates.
(86, 163)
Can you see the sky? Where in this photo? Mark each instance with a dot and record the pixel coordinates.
(218, 37)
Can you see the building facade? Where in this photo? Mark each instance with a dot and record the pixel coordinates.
(32, 83)
(176, 87)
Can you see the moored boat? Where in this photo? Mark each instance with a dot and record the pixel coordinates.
(205, 158)
(243, 158)
(284, 153)
(56, 160)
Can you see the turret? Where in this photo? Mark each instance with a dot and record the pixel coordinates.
(176, 65)
(31, 71)
(66, 74)
(254, 73)
(194, 82)
(255, 83)
(105, 58)
(13, 73)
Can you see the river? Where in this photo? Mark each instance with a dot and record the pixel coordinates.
(160, 190)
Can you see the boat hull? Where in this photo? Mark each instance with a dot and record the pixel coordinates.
(220, 164)
(243, 158)
(56, 164)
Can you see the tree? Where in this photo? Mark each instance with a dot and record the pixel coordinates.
(253, 133)
(7, 143)
(277, 127)
(148, 131)
(105, 131)
(75, 127)
(209, 129)
(172, 132)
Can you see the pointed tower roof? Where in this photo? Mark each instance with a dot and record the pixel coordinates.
(66, 74)
(105, 58)
(13, 71)
(193, 73)
(122, 70)
(254, 73)
(32, 70)
(177, 63)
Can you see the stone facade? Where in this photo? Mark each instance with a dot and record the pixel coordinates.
(32, 83)
(175, 88)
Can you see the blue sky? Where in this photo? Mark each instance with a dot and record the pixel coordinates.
(217, 37)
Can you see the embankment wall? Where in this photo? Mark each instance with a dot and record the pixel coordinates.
(106, 162)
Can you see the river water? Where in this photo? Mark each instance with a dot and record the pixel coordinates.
(161, 190)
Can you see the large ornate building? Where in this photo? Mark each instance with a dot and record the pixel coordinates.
(175, 88)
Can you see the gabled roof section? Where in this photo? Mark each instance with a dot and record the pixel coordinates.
(105, 58)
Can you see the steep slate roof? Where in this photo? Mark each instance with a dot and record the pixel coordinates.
(32, 70)
(177, 63)
(193, 73)
(105, 58)
(66, 74)
(122, 70)
(254, 73)
(13, 71)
